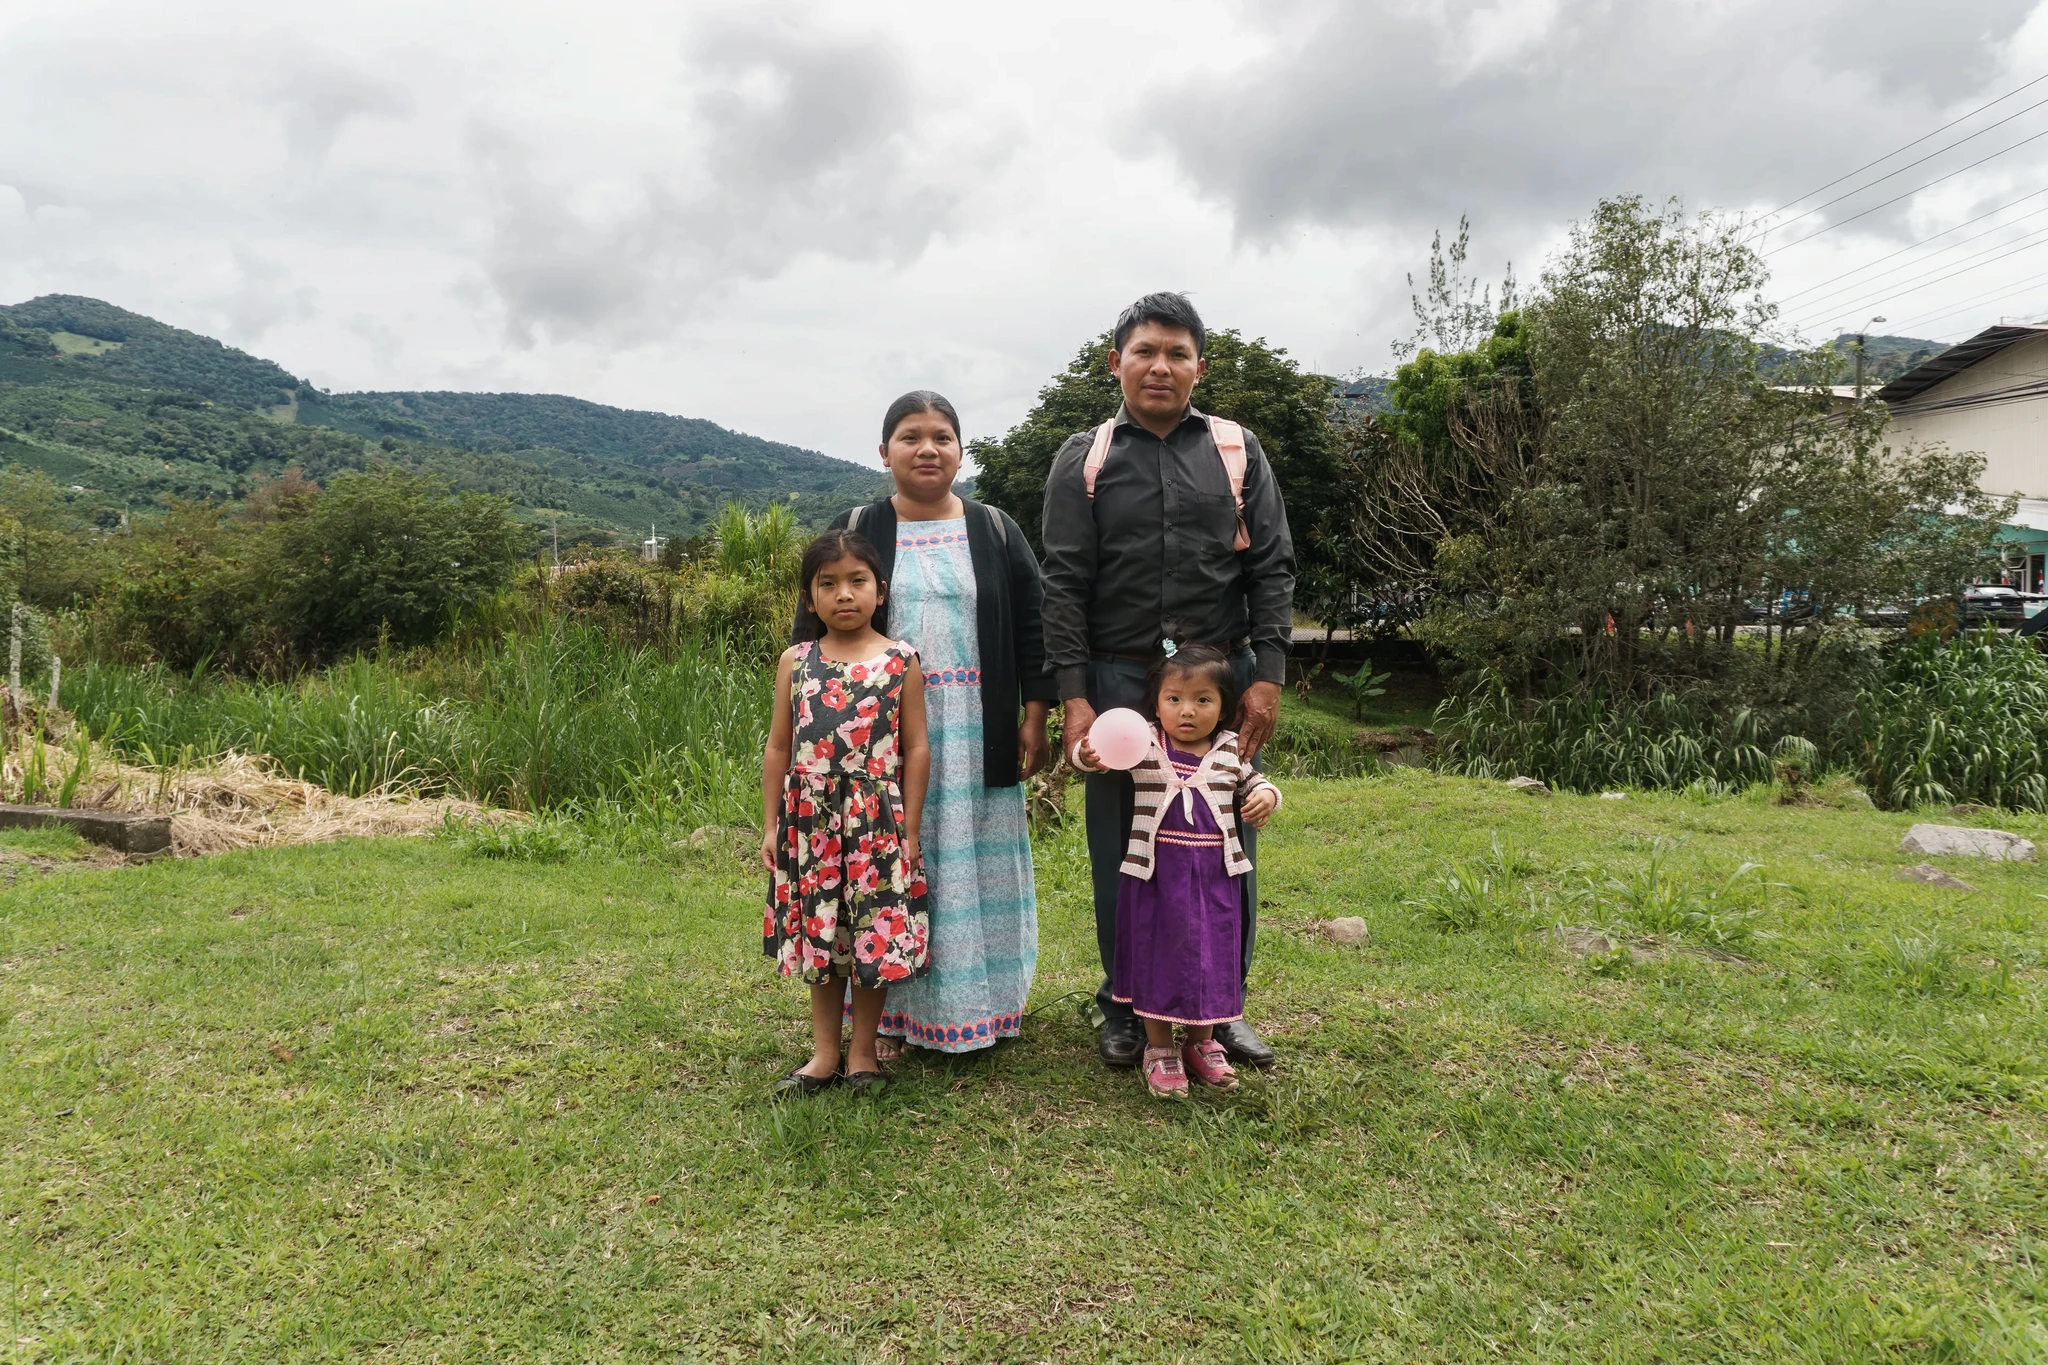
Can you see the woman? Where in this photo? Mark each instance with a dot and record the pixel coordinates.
(963, 587)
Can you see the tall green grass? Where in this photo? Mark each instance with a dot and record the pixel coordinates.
(561, 719)
(1958, 720)
(1587, 741)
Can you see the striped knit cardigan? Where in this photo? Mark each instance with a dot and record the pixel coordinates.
(1222, 780)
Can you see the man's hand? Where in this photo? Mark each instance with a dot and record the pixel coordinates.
(1257, 713)
(1078, 717)
(1258, 806)
(1032, 744)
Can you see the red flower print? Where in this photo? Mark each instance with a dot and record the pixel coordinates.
(867, 708)
(858, 673)
(893, 664)
(892, 970)
(822, 751)
(834, 695)
(855, 733)
(876, 767)
(869, 946)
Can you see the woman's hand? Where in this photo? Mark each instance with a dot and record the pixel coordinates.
(911, 853)
(768, 851)
(1032, 745)
(1259, 805)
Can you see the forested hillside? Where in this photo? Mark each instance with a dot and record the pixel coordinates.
(123, 409)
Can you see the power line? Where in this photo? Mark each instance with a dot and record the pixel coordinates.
(1998, 294)
(1925, 240)
(1908, 147)
(1851, 194)
(1822, 232)
(1887, 293)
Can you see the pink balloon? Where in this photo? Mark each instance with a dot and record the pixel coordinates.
(1121, 738)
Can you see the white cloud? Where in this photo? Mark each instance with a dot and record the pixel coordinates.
(780, 217)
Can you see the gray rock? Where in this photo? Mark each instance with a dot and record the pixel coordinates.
(1856, 796)
(1529, 785)
(1349, 931)
(1614, 796)
(1931, 875)
(1583, 940)
(706, 835)
(1961, 841)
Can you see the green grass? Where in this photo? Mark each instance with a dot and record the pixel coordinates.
(51, 842)
(401, 1102)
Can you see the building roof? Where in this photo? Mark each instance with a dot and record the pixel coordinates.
(1954, 361)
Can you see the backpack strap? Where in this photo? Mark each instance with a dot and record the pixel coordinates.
(1098, 451)
(1229, 438)
(853, 516)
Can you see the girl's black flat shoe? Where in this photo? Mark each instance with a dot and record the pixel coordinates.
(867, 1082)
(798, 1082)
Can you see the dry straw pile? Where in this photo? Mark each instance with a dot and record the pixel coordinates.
(217, 804)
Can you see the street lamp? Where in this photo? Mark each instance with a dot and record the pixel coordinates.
(1859, 356)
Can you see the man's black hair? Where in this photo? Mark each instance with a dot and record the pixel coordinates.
(1168, 310)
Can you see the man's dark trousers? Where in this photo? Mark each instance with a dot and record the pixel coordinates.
(1114, 682)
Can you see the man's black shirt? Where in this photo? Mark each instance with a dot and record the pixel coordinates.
(1155, 546)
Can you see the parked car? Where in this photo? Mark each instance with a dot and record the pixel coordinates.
(1997, 603)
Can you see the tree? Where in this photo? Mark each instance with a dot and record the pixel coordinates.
(384, 552)
(1604, 521)
(1247, 381)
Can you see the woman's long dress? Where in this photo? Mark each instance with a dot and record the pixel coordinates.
(975, 839)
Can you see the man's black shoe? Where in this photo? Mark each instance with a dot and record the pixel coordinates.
(1121, 1041)
(1243, 1046)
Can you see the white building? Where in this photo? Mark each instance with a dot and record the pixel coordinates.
(1990, 395)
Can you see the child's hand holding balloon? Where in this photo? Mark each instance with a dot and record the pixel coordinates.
(1119, 739)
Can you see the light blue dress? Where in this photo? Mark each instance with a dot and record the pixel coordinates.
(975, 839)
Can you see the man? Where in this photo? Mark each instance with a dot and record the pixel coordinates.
(1156, 543)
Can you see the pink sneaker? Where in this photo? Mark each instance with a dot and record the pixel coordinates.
(1163, 1074)
(1207, 1063)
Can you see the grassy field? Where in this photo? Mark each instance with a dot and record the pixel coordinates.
(397, 1102)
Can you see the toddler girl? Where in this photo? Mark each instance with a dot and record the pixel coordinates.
(1180, 906)
(842, 787)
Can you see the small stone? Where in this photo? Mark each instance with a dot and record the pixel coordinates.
(1931, 875)
(1614, 796)
(1856, 796)
(705, 835)
(1963, 841)
(1530, 785)
(1349, 931)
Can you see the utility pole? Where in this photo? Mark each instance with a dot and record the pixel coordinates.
(1859, 357)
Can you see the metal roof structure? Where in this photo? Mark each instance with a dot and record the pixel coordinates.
(1954, 361)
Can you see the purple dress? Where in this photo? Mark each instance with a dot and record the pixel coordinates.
(1179, 936)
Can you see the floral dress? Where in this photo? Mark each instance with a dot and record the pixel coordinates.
(843, 904)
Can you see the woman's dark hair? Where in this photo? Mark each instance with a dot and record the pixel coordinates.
(828, 549)
(1168, 310)
(914, 402)
(1192, 660)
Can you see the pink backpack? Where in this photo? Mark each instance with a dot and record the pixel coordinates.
(1229, 437)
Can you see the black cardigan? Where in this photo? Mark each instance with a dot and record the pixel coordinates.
(1008, 596)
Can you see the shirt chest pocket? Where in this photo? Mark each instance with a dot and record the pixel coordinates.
(1213, 522)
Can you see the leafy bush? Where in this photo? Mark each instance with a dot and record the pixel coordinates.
(1957, 720)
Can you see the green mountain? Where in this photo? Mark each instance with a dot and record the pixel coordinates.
(123, 409)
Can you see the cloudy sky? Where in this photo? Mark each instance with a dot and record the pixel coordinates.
(780, 216)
